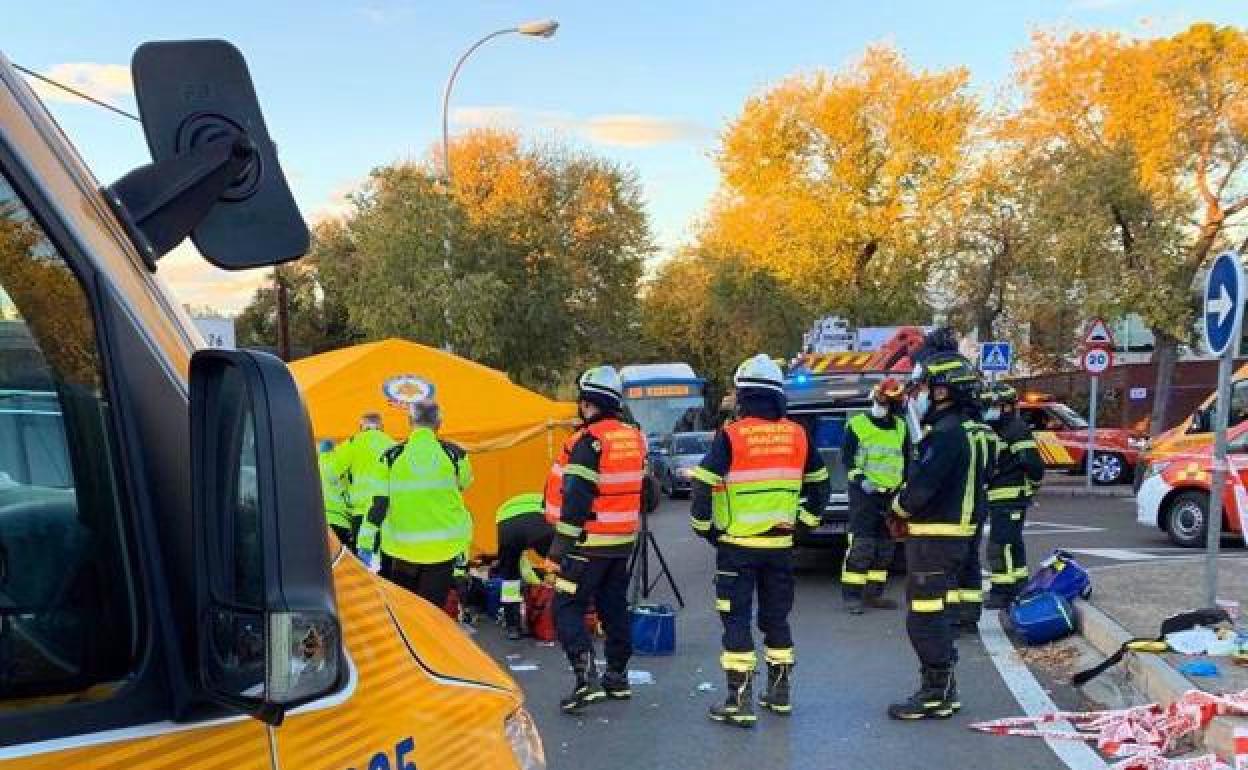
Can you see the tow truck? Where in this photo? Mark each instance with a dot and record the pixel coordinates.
(169, 593)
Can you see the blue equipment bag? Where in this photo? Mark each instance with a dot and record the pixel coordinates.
(1062, 575)
(1042, 617)
(654, 629)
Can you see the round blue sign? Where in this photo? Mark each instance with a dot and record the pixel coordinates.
(1224, 301)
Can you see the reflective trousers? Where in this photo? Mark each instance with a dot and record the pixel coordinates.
(603, 580)
(935, 565)
(966, 596)
(515, 536)
(1007, 555)
(740, 573)
(870, 550)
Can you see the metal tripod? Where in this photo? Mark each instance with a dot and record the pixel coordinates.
(641, 583)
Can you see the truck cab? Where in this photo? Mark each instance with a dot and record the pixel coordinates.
(169, 592)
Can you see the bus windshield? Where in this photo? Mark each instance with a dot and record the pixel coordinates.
(662, 416)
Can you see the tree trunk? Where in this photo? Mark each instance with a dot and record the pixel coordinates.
(1165, 355)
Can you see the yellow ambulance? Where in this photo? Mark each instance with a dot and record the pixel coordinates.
(169, 596)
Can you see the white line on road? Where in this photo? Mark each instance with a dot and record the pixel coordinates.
(1031, 696)
(1122, 554)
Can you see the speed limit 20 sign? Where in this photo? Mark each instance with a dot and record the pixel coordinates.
(1097, 360)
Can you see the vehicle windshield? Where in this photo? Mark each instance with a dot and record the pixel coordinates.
(1068, 416)
(664, 416)
(691, 445)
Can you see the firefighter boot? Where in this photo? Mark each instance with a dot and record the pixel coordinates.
(587, 689)
(873, 597)
(955, 702)
(511, 618)
(932, 701)
(738, 707)
(776, 698)
(615, 683)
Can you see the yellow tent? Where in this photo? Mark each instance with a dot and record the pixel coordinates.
(511, 433)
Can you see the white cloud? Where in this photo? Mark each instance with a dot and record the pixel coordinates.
(106, 82)
(336, 205)
(641, 130)
(621, 130)
(195, 282)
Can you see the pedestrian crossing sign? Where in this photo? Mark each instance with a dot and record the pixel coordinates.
(995, 356)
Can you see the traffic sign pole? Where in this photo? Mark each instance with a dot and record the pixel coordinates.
(1091, 450)
(1223, 317)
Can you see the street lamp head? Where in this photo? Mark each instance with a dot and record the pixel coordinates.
(542, 28)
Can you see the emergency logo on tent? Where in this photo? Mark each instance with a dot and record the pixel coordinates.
(407, 389)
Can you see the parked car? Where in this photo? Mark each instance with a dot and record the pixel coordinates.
(1174, 491)
(1062, 439)
(678, 455)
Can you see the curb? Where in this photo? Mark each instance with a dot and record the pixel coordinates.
(1159, 682)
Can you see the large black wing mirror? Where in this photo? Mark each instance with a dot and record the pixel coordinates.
(268, 636)
(214, 173)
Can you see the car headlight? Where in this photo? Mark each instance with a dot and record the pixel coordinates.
(526, 743)
(1155, 469)
(685, 473)
(1139, 444)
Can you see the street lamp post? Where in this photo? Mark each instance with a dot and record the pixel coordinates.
(543, 29)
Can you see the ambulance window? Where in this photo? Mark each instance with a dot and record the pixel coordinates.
(67, 626)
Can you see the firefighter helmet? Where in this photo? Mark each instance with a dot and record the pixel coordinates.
(761, 372)
(601, 386)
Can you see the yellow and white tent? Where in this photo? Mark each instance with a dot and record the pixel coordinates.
(511, 433)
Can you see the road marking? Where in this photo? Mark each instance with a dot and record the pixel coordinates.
(1120, 554)
(1031, 696)
(1057, 528)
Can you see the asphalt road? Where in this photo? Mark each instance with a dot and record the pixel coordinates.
(1102, 532)
(849, 669)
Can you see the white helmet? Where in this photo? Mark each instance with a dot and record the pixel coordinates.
(761, 371)
(601, 385)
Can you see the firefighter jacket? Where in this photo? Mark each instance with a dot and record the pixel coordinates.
(764, 478)
(942, 488)
(1019, 467)
(594, 489)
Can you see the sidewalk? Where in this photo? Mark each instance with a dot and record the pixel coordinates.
(1131, 600)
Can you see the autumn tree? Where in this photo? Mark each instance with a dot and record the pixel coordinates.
(712, 310)
(546, 251)
(839, 184)
(1162, 126)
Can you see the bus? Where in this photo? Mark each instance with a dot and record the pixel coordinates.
(665, 398)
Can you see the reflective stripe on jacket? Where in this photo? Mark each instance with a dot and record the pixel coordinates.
(426, 520)
(880, 452)
(334, 492)
(761, 490)
(360, 458)
(617, 481)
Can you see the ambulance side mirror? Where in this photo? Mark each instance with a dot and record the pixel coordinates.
(268, 630)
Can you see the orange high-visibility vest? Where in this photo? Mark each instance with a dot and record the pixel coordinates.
(621, 470)
(761, 489)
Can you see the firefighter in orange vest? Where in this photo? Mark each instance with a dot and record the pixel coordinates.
(593, 500)
(760, 482)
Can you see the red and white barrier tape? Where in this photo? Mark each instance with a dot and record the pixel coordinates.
(1140, 737)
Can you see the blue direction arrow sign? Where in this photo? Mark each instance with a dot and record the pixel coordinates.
(1224, 301)
(995, 356)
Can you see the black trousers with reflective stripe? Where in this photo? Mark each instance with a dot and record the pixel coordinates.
(870, 551)
(518, 534)
(967, 593)
(604, 581)
(934, 565)
(1007, 553)
(739, 574)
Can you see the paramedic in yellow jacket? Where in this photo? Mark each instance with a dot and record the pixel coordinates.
(421, 519)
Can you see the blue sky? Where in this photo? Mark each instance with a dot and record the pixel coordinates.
(353, 84)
